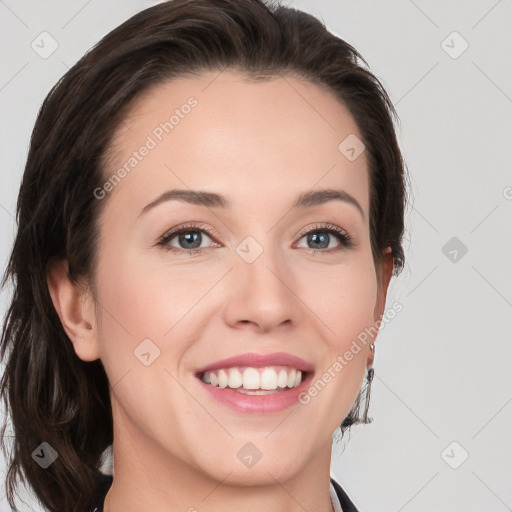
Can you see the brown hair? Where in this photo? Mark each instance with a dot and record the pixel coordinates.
(52, 395)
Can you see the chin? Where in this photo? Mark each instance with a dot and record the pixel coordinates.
(248, 465)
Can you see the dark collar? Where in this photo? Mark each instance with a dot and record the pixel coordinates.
(103, 484)
(345, 502)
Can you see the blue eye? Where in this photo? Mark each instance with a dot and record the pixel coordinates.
(320, 236)
(190, 238)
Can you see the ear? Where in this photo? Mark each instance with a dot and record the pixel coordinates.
(384, 273)
(75, 307)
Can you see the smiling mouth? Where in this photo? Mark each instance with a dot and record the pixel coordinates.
(254, 380)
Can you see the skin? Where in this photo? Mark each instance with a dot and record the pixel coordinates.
(260, 145)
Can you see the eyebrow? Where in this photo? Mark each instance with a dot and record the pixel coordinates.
(213, 200)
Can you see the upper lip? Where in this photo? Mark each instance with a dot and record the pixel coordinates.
(260, 360)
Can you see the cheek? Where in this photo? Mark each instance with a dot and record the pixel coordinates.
(143, 340)
(343, 298)
(146, 298)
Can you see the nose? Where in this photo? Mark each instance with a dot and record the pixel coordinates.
(260, 295)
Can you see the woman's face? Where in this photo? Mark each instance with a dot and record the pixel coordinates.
(259, 285)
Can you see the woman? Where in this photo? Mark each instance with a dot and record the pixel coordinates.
(209, 218)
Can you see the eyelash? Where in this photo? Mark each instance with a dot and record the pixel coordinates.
(342, 235)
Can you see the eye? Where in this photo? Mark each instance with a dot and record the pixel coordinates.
(321, 236)
(189, 239)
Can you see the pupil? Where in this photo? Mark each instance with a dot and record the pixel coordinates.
(189, 238)
(324, 239)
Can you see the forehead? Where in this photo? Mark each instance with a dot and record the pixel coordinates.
(223, 130)
(234, 96)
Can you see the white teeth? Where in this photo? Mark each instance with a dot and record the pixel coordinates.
(251, 379)
(291, 378)
(235, 379)
(268, 379)
(265, 379)
(282, 379)
(223, 379)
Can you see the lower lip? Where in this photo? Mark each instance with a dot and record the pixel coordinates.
(258, 404)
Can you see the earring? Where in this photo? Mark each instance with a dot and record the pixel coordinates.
(369, 378)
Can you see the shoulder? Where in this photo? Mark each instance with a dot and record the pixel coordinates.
(102, 486)
(345, 502)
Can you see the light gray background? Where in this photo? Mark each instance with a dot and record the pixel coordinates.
(443, 364)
